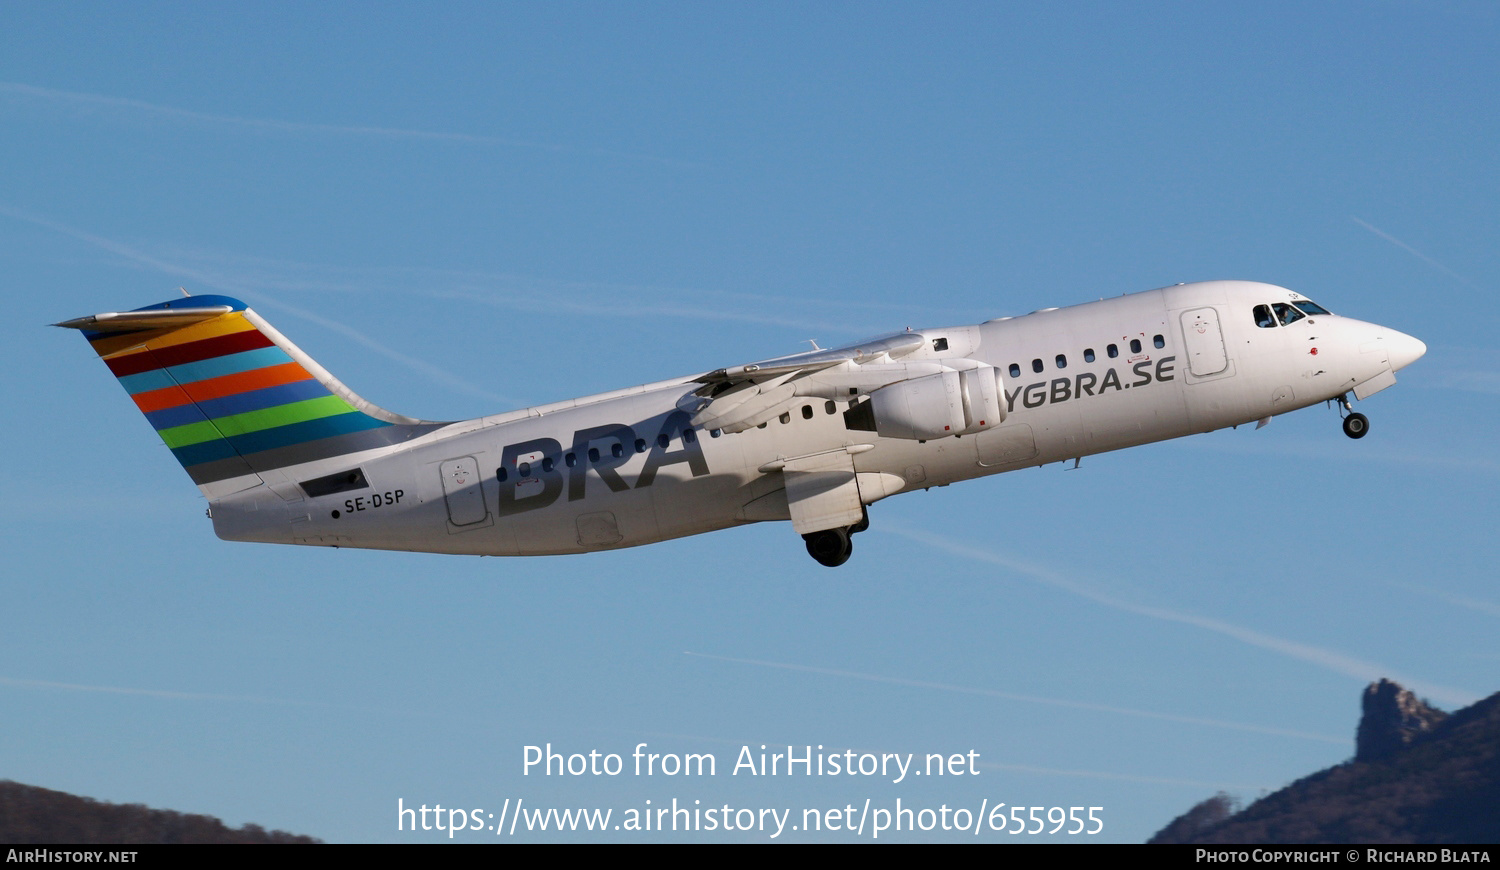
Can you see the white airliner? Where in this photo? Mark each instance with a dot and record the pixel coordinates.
(285, 453)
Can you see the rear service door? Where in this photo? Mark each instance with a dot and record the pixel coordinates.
(463, 492)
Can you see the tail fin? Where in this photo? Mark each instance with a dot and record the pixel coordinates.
(230, 396)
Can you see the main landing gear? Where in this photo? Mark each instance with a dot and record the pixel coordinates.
(832, 547)
(1355, 424)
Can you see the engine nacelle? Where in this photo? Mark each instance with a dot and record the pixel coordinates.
(982, 390)
(934, 406)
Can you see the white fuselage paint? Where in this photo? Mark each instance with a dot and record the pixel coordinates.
(442, 492)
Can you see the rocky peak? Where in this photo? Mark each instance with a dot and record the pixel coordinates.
(1393, 718)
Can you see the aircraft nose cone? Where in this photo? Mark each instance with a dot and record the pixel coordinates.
(1404, 349)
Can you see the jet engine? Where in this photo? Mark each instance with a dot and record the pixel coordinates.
(933, 406)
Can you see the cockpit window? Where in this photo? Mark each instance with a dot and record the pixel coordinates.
(1282, 313)
(1286, 313)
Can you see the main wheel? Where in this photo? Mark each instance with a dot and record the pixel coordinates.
(1356, 425)
(829, 547)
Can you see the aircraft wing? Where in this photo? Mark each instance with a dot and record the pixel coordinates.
(895, 345)
(741, 397)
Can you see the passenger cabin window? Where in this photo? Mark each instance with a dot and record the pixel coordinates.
(640, 445)
(1088, 354)
(807, 412)
(1158, 341)
(617, 450)
(1135, 345)
(688, 437)
(1062, 361)
(1015, 370)
(1112, 351)
(1036, 366)
(1286, 313)
(500, 474)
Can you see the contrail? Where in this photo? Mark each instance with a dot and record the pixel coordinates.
(828, 317)
(1032, 699)
(279, 126)
(112, 246)
(156, 693)
(1477, 605)
(1325, 658)
(1486, 382)
(550, 304)
(422, 366)
(594, 308)
(1125, 777)
(217, 283)
(1416, 253)
(1283, 447)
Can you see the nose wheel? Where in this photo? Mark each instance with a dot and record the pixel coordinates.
(1356, 425)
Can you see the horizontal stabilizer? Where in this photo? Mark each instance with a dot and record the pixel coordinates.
(157, 318)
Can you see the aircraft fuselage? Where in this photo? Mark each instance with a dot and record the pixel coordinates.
(628, 468)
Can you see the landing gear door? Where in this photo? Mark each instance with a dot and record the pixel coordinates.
(463, 491)
(1204, 342)
(822, 492)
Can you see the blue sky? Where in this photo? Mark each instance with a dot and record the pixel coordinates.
(477, 207)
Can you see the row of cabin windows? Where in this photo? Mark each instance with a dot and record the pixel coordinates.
(617, 450)
(1112, 351)
(829, 407)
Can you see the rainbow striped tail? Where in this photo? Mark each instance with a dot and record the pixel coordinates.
(230, 396)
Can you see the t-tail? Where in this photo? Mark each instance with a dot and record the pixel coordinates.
(230, 396)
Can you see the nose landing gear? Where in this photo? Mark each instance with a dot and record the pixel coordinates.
(1356, 425)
